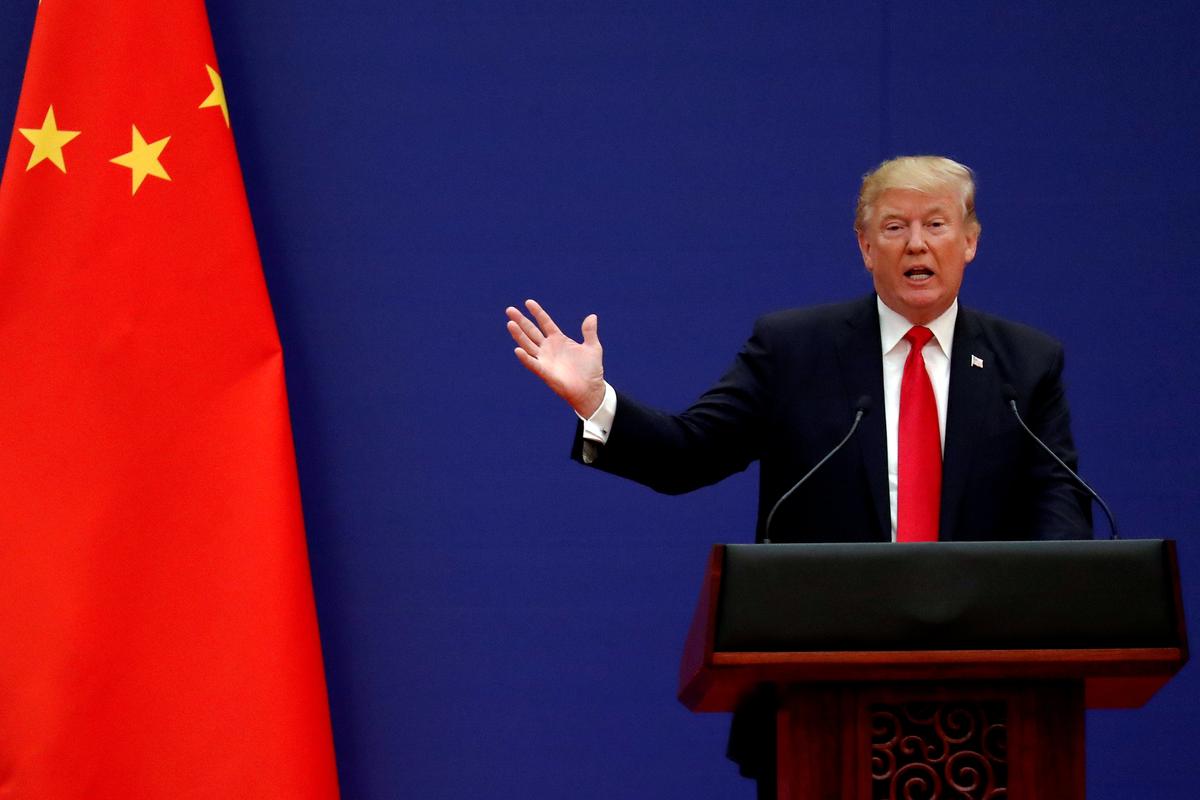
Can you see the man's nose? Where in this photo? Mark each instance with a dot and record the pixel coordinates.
(916, 240)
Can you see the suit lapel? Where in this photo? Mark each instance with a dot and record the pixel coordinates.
(970, 385)
(861, 361)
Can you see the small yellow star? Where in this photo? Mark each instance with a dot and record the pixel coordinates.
(217, 96)
(47, 142)
(143, 159)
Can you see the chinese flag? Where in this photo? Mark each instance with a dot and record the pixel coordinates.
(158, 637)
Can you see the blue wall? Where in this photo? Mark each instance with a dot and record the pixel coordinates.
(499, 622)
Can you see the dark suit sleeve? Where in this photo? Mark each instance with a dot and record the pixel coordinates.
(1061, 509)
(720, 434)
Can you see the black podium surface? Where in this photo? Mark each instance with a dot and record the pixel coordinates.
(948, 596)
(1107, 613)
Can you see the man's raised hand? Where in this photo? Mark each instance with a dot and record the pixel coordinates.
(573, 370)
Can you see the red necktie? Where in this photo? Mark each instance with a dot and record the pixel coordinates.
(919, 493)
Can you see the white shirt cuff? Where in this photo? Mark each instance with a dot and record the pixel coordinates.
(597, 426)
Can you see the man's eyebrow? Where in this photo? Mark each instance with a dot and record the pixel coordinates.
(884, 213)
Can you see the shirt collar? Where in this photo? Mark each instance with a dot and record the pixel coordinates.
(892, 327)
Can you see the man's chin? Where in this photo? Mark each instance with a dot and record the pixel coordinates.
(921, 307)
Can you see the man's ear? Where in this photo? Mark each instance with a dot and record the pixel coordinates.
(972, 238)
(864, 247)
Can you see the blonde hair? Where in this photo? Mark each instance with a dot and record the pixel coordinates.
(929, 174)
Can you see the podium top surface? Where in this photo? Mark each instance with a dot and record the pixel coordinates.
(1107, 613)
(947, 596)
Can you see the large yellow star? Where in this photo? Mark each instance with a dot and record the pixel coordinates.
(217, 96)
(143, 159)
(48, 142)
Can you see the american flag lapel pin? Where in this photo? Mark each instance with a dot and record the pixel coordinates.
(976, 361)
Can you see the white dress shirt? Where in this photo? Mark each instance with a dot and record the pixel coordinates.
(892, 328)
(936, 353)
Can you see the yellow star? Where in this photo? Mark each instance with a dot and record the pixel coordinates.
(143, 159)
(48, 142)
(217, 96)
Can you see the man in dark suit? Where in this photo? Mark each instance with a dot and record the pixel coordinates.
(939, 454)
(791, 395)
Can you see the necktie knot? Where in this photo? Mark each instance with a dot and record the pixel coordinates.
(918, 336)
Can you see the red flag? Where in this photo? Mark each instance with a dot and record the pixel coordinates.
(157, 631)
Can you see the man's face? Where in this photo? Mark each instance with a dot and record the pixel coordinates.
(916, 247)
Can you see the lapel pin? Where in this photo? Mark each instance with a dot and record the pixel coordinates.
(976, 361)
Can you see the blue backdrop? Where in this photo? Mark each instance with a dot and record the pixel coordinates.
(499, 622)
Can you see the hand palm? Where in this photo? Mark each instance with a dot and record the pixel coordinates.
(568, 367)
(574, 370)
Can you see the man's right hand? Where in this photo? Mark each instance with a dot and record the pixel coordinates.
(574, 371)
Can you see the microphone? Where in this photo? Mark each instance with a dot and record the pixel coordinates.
(1010, 396)
(861, 407)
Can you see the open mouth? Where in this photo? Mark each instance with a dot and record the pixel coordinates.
(918, 274)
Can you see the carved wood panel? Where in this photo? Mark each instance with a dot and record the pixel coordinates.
(939, 750)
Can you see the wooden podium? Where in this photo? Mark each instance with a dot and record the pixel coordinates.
(944, 670)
